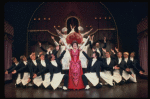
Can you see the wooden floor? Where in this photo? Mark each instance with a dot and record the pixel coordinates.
(131, 90)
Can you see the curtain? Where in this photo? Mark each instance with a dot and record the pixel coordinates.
(143, 53)
(7, 57)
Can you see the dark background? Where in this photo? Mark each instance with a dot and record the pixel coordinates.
(126, 14)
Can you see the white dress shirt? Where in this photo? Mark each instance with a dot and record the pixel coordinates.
(54, 63)
(119, 60)
(34, 61)
(25, 62)
(131, 58)
(50, 52)
(108, 60)
(43, 63)
(16, 63)
(93, 61)
(126, 59)
(97, 49)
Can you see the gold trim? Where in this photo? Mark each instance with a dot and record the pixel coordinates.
(70, 17)
(42, 31)
(28, 27)
(115, 24)
(102, 29)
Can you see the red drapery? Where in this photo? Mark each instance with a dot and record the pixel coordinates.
(143, 53)
(7, 57)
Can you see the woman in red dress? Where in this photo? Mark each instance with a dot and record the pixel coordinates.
(75, 69)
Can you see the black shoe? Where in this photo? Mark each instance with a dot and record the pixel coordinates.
(98, 86)
(17, 85)
(122, 82)
(34, 86)
(24, 86)
(127, 81)
(50, 87)
(42, 86)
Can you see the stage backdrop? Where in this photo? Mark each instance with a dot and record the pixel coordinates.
(61, 14)
(8, 39)
(142, 30)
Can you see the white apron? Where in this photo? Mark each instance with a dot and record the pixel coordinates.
(125, 75)
(18, 80)
(25, 78)
(83, 60)
(38, 80)
(92, 77)
(65, 60)
(107, 76)
(116, 76)
(133, 78)
(46, 81)
(57, 78)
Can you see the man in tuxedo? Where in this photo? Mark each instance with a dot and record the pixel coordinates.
(99, 50)
(55, 68)
(16, 65)
(46, 75)
(25, 70)
(49, 51)
(93, 69)
(107, 69)
(136, 65)
(121, 65)
(128, 67)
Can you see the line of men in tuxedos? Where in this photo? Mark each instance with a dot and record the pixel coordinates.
(46, 70)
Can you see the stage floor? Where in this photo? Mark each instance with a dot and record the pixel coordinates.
(131, 90)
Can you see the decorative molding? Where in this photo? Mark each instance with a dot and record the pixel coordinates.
(42, 31)
(72, 17)
(107, 29)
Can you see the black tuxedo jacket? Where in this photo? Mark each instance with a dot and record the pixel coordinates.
(41, 68)
(14, 67)
(122, 66)
(52, 69)
(100, 49)
(110, 66)
(24, 68)
(129, 63)
(96, 66)
(136, 66)
(33, 69)
(53, 51)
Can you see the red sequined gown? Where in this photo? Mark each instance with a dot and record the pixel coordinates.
(75, 71)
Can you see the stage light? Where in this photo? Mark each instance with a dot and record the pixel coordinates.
(44, 18)
(109, 17)
(34, 18)
(99, 17)
(90, 25)
(48, 18)
(54, 26)
(58, 25)
(86, 26)
(105, 17)
(95, 17)
(39, 18)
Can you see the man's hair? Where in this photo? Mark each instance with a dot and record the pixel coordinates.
(13, 58)
(96, 53)
(21, 57)
(41, 55)
(119, 52)
(133, 52)
(108, 52)
(126, 53)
